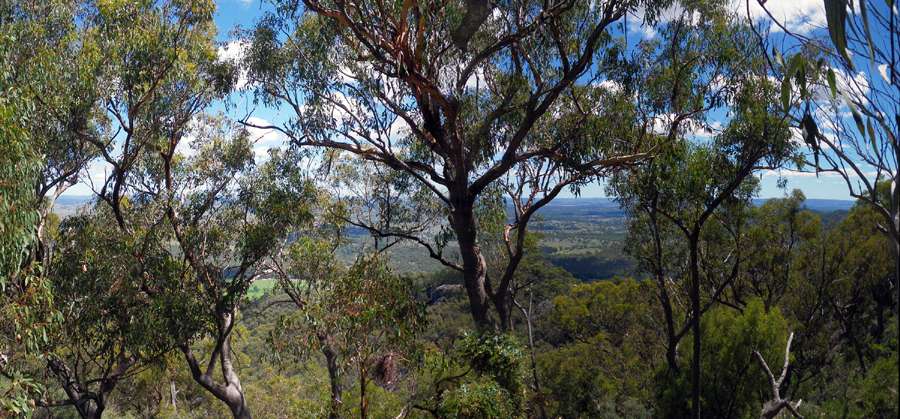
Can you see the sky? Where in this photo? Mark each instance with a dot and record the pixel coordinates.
(801, 15)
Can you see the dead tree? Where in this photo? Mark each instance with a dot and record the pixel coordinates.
(773, 406)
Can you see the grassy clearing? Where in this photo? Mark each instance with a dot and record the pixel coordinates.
(260, 287)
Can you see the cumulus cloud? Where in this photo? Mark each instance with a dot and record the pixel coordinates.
(801, 16)
(857, 84)
(644, 30)
(95, 174)
(399, 128)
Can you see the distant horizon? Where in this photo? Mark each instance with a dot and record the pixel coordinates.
(70, 199)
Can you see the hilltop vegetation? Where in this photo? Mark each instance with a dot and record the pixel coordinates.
(394, 245)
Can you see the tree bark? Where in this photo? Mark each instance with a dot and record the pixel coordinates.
(504, 309)
(90, 404)
(334, 379)
(477, 11)
(464, 225)
(773, 407)
(231, 393)
(897, 286)
(665, 301)
(174, 395)
(363, 401)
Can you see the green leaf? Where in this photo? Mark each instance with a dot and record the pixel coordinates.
(832, 83)
(865, 19)
(836, 14)
(872, 138)
(856, 116)
(786, 94)
(801, 79)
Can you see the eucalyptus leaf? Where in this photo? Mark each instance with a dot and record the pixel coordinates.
(836, 15)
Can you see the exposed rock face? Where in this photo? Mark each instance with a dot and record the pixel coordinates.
(443, 292)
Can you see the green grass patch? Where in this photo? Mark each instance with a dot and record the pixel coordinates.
(259, 287)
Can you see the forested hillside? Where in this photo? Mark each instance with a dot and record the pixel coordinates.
(376, 209)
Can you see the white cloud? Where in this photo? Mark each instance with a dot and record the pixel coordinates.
(786, 173)
(610, 85)
(234, 52)
(690, 128)
(264, 139)
(96, 173)
(858, 84)
(666, 15)
(646, 31)
(476, 79)
(882, 69)
(637, 25)
(399, 128)
(801, 16)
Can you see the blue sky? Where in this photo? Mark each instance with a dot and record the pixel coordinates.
(231, 13)
(808, 14)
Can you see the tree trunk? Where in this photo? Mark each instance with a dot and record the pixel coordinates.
(504, 309)
(237, 402)
(334, 379)
(894, 224)
(91, 410)
(240, 410)
(665, 301)
(672, 355)
(174, 395)
(534, 369)
(363, 402)
(230, 392)
(695, 323)
(88, 405)
(474, 266)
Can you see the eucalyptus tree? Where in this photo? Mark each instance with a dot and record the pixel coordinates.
(451, 99)
(855, 279)
(363, 318)
(154, 67)
(776, 236)
(705, 97)
(59, 65)
(40, 64)
(839, 299)
(226, 218)
(161, 71)
(123, 306)
(300, 270)
(19, 167)
(843, 94)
